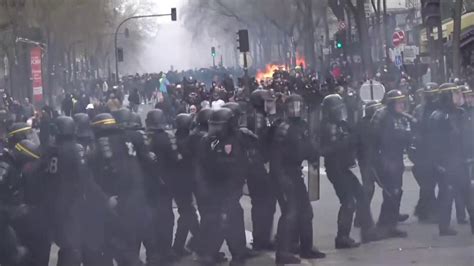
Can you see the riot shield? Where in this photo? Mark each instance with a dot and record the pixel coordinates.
(314, 122)
(371, 90)
(470, 173)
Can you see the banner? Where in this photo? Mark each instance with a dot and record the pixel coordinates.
(36, 75)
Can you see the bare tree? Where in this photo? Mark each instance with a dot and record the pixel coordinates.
(457, 38)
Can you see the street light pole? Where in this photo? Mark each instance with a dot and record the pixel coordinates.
(173, 17)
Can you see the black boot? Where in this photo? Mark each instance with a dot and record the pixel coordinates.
(403, 217)
(371, 235)
(394, 232)
(312, 254)
(346, 242)
(286, 258)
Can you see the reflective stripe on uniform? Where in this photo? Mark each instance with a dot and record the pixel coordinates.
(18, 131)
(21, 148)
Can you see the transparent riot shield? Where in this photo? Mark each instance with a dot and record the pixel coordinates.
(314, 122)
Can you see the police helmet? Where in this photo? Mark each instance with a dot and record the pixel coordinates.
(234, 107)
(183, 122)
(257, 98)
(393, 96)
(202, 117)
(155, 119)
(122, 116)
(333, 108)
(220, 122)
(371, 107)
(135, 121)
(83, 125)
(65, 126)
(25, 151)
(103, 121)
(431, 88)
(18, 131)
(446, 92)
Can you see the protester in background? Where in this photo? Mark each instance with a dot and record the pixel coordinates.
(134, 100)
(28, 108)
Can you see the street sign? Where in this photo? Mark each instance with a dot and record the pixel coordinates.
(36, 74)
(371, 90)
(326, 51)
(410, 53)
(398, 61)
(341, 25)
(398, 38)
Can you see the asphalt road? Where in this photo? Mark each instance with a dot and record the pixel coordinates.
(423, 246)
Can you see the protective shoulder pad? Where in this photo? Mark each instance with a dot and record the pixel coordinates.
(248, 133)
(439, 115)
(378, 116)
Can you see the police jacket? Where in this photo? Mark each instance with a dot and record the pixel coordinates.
(445, 127)
(337, 144)
(291, 146)
(393, 133)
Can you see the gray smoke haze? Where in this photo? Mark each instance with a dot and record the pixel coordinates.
(174, 44)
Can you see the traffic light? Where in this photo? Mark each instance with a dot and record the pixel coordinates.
(340, 39)
(243, 41)
(213, 51)
(173, 14)
(120, 54)
(127, 33)
(431, 12)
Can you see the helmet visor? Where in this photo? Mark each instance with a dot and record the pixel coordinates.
(270, 107)
(294, 109)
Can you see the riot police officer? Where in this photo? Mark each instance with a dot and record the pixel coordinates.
(130, 123)
(163, 144)
(220, 170)
(420, 155)
(292, 145)
(19, 131)
(338, 149)
(447, 149)
(120, 175)
(33, 228)
(365, 149)
(183, 187)
(12, 204)
(392, 129)
(468, 142)
(200, 129)
(78, 202)
(258, 181)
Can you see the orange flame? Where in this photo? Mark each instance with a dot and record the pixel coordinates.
(300, 61)
(268, 72)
